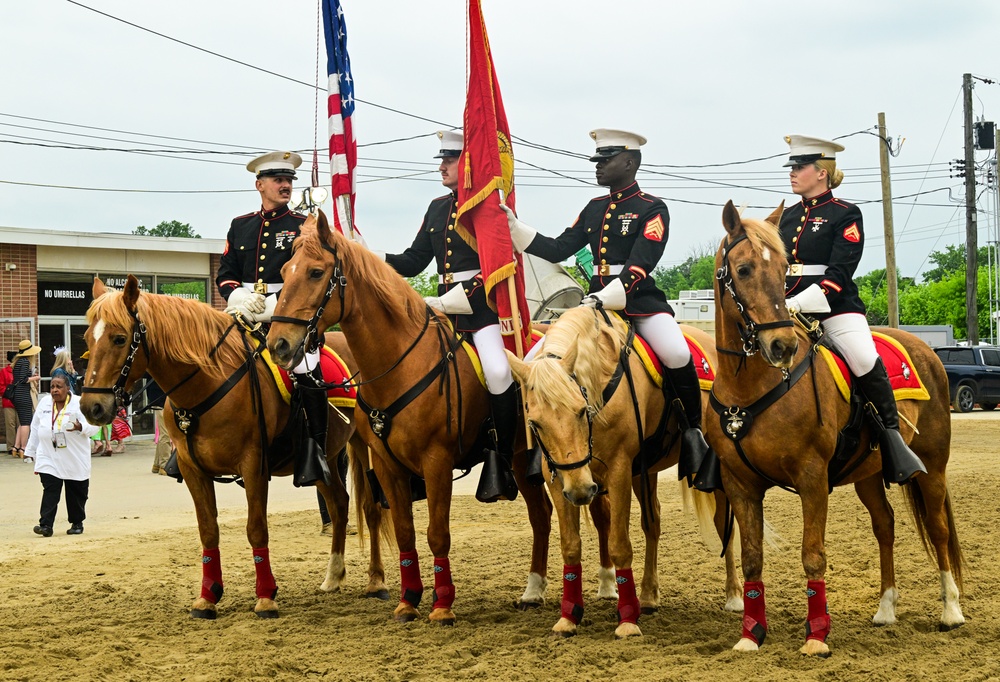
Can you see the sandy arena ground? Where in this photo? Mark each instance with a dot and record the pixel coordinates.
(113, 603)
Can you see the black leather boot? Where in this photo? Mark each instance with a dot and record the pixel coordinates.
(310, 459)
(497, 479)
(899, 462)
(687, 396)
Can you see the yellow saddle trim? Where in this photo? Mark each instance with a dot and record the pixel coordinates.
(471, 352)
(899, 393)
(337, 401)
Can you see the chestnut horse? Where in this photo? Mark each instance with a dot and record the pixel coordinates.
(764, 359)
(397, 341)
(591, 406)
(191, 349)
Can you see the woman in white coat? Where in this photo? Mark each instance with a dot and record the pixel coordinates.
(60, 445)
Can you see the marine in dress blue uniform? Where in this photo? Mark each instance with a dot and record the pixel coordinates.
(444, 241)
(257, 246)
(824, 238)
(627, 231)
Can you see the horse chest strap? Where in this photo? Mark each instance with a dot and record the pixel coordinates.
(380, 423)
(736, 422)
(187, 421)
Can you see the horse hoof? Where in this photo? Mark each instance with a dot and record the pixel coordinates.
(562, 634)
(444, 622)
(266, 614)
(626, 630)
(948, 627)
(526, 605)
(382, 595)
(814, 647)
(204, 614)
(648, 610)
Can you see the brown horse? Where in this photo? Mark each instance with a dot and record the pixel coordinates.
(191, 349)
(592, 407)
(764, 359)
(397, 341)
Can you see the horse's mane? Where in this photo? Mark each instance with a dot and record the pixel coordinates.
(578, 328)
(763, 235)
(183, 330)
(393, 292)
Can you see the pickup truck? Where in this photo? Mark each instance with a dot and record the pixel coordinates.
(973, 375)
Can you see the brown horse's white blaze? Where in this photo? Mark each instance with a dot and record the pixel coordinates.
(806, 422)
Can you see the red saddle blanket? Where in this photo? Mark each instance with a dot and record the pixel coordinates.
(903, 377)
(702, 365)
(334, 371)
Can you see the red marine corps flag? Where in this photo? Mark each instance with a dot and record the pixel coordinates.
(488, 163)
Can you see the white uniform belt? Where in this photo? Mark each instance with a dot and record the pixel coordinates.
(460, 276)
(263, 287)
(608, 270)
(800, 270)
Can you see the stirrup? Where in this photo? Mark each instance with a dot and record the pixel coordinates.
(694, 449)
(497, 480)
(899, 463)
(311, 466)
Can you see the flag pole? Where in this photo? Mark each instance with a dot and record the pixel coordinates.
(345, 199)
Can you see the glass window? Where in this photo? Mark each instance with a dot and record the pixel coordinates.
(183, 287)
(991, 358)
(118, 281)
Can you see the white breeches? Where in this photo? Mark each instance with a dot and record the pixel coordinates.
(665, 337)
(496, 367)
(309, 361)
(850, 336)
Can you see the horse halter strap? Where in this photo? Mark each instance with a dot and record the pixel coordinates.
(311, 340)
(749, 329)
(555, 466)
(123, 398)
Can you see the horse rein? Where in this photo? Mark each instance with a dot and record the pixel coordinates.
(749, 329)
(555, 466)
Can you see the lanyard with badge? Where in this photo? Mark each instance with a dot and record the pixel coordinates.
(58, 435)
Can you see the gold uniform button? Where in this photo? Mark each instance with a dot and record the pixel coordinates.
(813, 202)
(802, 219)
(619, 195)
(448, 240)
(242, 247)
(798, 229)
(795, 239)
(633, 276)
(267, 224)
(605, 227)
(603, 250)
(604, 262)
(454, 215)
(263, 257)
(451, 227)
(607, 216)
(260, 269)
(605, 238)
(449, 252)
(794, 251)
(613, 206)
(267, 234)
(263, 246)
(447, 266)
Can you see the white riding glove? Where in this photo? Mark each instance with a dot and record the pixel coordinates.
(520, 234)
(611, 297)
(380, 254)
(454, 302)
(245, 301)
(812, 300)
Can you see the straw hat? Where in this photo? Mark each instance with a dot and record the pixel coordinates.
(25, 349)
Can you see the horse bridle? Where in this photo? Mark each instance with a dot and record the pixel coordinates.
(123, 398)
(555, 466)
(338, 282)
(749, 329)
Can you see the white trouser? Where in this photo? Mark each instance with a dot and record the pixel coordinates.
(665, 337)
(496, 367)
(850, 336)
(309, 360)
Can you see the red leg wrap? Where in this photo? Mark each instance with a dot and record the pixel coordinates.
(444, 589)
(754, 618)
(628, 603)
(266, 587)
(411, 588)
(572, 601)
(818, 618)
(211, 575)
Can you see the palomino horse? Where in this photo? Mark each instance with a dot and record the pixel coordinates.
(197, 354)
(401, 344)
(592, 407)
(779, 424)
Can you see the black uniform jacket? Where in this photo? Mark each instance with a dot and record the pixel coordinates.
(629, 229)
(825, 231)
(438, 240)
(257, 246)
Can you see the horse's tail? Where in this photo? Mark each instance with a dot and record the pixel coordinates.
(703, 507)
(918, 510)
(365, 505)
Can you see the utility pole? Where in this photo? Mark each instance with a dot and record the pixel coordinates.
(971, 236)
(892, 291)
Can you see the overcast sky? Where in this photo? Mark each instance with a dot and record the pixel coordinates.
(708, 82)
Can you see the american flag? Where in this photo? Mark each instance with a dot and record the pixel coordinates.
(340, 108)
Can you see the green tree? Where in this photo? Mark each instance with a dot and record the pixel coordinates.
(951, 260)
(425, 284)
(696, 272)
(170, 228)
